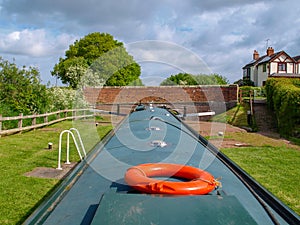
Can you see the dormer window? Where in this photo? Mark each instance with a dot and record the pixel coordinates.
(281, 66)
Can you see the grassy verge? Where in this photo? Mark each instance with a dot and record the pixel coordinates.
(22, 153)
(236, 116)
(272, 162)
(275, 167)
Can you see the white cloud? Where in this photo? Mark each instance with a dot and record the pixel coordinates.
(222, 33)
(169, 54)
(36, 43)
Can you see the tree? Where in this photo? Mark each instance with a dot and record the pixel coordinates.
(212, 79)
(21, 90)
(244, 82)
(115, 68)
(179, 79)
(70, 70)
(99, 57)
(221, 80)
(189, 79)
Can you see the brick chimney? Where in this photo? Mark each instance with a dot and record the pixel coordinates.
(255, 55)
(270, 51)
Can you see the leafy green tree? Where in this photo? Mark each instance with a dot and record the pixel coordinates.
(220, 80)
(70, 70)
(189, 79)
(97, 59)
(116, 68)
(212, 79)
(21, 90)
(179, 79)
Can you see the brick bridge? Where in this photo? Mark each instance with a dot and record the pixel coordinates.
(193, 98)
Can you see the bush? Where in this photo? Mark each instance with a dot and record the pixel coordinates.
(65, 98)
(21, 90)
(256, 91)
(284, 98)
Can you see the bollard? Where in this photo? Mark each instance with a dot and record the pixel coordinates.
(50, 145)
(249, 118)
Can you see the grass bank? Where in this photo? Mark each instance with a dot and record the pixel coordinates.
(274, 167)
(274, 163)
(237, 116)
(21, 153)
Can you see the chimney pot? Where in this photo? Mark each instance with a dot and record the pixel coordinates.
(270, 51)
(255, 55)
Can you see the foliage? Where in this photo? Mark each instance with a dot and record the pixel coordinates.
(70, 70)
(21, 90)
(189, 79)
(65, 98)
(256, 91)
(115, 68)
(212, 79)
(283, 97)
(179, 79)
(244, 82)
(97, 59)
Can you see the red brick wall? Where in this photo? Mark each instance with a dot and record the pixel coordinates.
(203, 98)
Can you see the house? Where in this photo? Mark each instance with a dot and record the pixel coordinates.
(273, 64)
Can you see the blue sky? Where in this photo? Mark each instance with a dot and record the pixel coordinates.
(221, 33)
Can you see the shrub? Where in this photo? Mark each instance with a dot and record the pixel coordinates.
(284, 98)
(65, 98)
(21, 90)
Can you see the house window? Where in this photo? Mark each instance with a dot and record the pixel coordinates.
(281, 66)
(264, 67)
(248, 73)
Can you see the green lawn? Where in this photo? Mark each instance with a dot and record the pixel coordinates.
(273, 163)
(21, 153)
(276, 168)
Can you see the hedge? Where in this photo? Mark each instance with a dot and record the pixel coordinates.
(283, 97)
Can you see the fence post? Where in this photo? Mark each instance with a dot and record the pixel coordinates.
(184, 112)
(241, 95)
(20, 123)
(118, 109)
(74, 114)
(46, 118)
(251, 102)
(0, 124)
(58, 115)
(33, 120)
(84, 114)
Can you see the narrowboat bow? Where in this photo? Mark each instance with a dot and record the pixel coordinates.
(137, 174)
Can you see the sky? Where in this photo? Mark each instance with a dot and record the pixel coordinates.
(164, 36)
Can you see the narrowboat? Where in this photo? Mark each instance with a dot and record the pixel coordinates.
(154, 169)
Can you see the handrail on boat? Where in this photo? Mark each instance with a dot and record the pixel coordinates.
(69, 132)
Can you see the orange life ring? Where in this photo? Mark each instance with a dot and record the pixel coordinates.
(199, 181)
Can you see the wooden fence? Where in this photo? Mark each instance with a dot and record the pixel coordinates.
(55, 117)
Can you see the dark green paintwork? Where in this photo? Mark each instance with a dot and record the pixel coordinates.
(127, 209)
(96, 193)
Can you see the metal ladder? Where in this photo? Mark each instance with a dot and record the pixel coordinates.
(69, 132)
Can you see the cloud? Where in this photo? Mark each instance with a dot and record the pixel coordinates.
(222, 33)
(168, 53)
(36, 43)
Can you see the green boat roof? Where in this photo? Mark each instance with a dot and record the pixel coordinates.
(96, 193)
